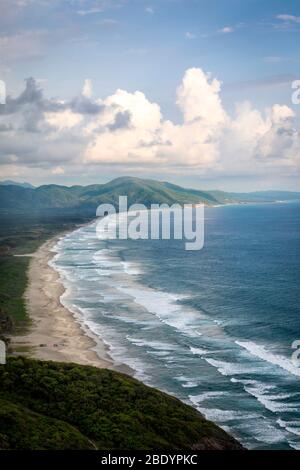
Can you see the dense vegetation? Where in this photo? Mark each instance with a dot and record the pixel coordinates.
(49, 405)
(21, 428)
(85, 199)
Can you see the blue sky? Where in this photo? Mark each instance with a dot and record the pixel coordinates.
(251, 47)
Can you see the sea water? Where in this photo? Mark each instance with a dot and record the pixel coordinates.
(212, 327)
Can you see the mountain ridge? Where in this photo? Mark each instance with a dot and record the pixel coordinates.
(16, 183)
(85, 199)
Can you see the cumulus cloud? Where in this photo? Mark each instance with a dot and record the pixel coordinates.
(38, 131)
(127, 129)
(63, 120)
(126, 143)
(199, 98)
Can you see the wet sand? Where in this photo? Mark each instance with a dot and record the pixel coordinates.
(54, 333)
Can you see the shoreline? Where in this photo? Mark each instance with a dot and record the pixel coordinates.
(54, 333)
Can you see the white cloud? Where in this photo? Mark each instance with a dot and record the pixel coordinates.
(87, 90)
(148, 139)
(65, 119)
(226, 30)
(108, 22)
(127, 129)
(280, 114)
(149, 10)
(58, 170)
(199, 98)
(289, 18)
(130, 141)
(92, 7)
(190, 35)
(91, 11)
(208, 138)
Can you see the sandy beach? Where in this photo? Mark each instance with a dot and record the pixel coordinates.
(54, 333)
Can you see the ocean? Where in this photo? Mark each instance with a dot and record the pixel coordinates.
(213, 327)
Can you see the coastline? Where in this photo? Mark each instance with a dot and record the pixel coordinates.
(54, 333)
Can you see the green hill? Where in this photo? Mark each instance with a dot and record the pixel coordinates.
(16, 183)
(85, 199)
(21, 428)
(50, 405)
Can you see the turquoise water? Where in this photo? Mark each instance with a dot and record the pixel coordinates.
(212, 327)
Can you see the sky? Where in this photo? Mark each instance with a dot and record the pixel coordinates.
(194, 92)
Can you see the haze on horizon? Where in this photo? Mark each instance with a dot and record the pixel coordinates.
(180, 90)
